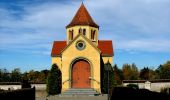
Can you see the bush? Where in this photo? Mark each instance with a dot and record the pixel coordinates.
(25, 84)
(135, 94)
(164, 90)
(54, 81)
(134, 86)
(20, 94)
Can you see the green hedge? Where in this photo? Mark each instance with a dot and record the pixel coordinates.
(20, 94)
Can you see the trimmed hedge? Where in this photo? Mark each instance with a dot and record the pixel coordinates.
(134, 94)
(21, 94)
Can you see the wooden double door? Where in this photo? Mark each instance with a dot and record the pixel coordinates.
(81, 74)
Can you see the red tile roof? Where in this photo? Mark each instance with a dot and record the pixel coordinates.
(105, 46)
(82, 17)
(58, 46)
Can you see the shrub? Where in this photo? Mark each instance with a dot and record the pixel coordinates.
(134, 86)
(164, 90)
(20, 94)
(54, 81)
(25, 84)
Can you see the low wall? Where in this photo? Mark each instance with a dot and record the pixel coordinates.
(153, 86)
(40, 89)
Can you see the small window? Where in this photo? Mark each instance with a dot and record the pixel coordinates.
(70, 34)
(80, 30)
(84, 32)
(93, 33)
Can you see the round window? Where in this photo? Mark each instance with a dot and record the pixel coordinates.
(80, 45)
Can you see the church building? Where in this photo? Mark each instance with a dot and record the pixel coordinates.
(82, 55)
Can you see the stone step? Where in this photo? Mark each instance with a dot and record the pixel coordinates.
(81, 92)
(73, 92)
(82, 89)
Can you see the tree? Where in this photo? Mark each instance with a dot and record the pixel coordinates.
(144, 73)
(152, 74)
(5, 75)
(118, 75)
(112, 82)
(126, 71)
(130, 72)
(134, 71)
(164, 70)
(54, 81)
(16, 75)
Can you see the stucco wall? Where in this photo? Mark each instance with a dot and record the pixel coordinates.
(88, 32)
(90, 54)
(106, 59)
(57, 60)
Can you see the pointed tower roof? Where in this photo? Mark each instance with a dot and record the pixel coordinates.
(82, 17)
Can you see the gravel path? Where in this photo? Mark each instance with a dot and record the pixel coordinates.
(73, 98)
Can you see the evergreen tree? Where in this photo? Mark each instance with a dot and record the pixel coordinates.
(54, 81)
(112, 82)
(144, 73)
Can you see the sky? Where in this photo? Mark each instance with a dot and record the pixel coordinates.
(139, 30)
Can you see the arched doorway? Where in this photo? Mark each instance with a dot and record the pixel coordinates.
(80, 74)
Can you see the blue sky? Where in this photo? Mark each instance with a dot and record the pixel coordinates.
(139, 29)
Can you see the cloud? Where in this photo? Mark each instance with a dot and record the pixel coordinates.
(145, 45)
(132, 25)
(38, 25)
(135, 25)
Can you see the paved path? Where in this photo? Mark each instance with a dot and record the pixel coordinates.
(73, 98)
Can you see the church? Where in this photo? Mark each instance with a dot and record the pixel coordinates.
(82, 55)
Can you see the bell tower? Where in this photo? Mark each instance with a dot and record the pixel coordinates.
(82, 23)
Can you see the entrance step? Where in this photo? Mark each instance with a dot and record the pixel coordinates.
(80, 92)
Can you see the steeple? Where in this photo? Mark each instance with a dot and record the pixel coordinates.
(82, 17)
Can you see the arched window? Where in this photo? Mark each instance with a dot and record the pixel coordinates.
(80, 30)
(93, 33)
(84, 32)
(70, 34)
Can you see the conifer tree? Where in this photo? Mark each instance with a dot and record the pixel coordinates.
(54, 81)
(112, 83)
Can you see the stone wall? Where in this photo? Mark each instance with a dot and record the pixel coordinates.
(153, 86)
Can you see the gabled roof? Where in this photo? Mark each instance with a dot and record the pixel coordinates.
(82, 17)
(105, 46)
(58, 46)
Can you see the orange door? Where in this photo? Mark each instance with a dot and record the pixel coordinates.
(81, 74)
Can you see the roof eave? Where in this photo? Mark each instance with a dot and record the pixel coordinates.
(55, 55)
(107, 55)
(68, 26)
